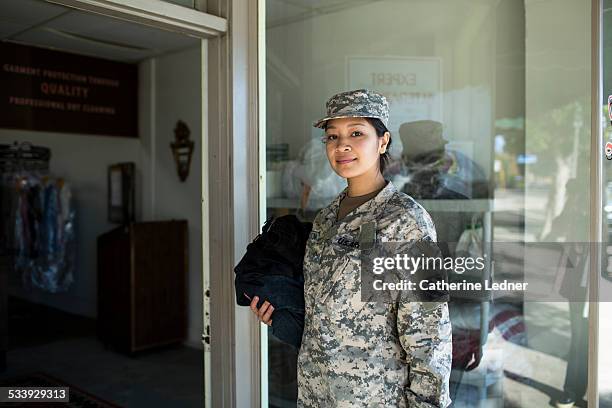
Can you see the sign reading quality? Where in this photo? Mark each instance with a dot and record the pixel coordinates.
(62, 92)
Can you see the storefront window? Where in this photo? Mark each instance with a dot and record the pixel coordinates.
(490, 123)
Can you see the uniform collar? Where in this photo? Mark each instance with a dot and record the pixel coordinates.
(369, 210)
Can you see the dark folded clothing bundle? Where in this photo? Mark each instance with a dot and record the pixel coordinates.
(272, 270)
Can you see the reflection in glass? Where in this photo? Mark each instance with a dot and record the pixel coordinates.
(490, 134)
(605, 307)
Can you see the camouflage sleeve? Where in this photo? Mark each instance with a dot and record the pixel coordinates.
(425, 334)
(424, 330)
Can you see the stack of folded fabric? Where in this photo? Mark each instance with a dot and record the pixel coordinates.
(272, 270)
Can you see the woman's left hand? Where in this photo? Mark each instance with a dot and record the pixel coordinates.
(265, 311)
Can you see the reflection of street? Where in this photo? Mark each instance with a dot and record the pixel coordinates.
(542, 363)
(511, 206)
(534, 373)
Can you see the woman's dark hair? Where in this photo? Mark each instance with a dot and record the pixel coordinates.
(380, 132)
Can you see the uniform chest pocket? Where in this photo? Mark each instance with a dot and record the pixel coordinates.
(344, 285)
(349, 285)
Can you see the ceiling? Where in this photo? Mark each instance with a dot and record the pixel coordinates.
(284, 12)
(38, 23)
(281, 12)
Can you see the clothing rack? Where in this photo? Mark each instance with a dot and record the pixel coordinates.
(24, 156)
(17, 160)
(38, 230)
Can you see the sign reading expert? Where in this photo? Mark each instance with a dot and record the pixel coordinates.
(61, 92)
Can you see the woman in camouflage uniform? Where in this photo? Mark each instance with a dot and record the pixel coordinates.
(354, 353)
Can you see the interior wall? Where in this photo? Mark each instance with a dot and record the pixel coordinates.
(169, 90)
(172, 91)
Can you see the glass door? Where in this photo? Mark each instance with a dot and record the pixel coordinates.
(490, 133)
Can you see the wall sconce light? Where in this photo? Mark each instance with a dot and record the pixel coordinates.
(182, 149)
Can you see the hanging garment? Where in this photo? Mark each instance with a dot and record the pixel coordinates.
(40, 230)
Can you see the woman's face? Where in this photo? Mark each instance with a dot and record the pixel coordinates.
(353, 148)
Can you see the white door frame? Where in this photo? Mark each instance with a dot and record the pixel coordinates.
(155, 13)
(234, 200)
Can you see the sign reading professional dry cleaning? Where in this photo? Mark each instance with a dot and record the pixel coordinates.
(61, 92)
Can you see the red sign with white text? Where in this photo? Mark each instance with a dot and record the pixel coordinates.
(62, 92)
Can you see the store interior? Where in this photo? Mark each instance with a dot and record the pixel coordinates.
(102, 249)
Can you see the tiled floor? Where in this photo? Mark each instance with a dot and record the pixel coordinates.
(172, 377)
(43, 339)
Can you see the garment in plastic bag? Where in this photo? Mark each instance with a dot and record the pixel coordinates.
(42, 219)
(312, 168)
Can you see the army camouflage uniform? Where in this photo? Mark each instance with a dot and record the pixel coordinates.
(369, 354)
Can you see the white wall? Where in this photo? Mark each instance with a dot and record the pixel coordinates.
(169, 90)
(173, 89)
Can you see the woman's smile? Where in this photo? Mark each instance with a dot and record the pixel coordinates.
(345, 161)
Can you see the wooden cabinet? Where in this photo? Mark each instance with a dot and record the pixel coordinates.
(142, 285)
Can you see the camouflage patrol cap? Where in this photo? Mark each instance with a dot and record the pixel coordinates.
(360, 103)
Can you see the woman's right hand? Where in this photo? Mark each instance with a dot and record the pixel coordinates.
(265, 311)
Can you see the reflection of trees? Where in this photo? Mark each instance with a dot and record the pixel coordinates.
(510, 175)
(560, 140)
